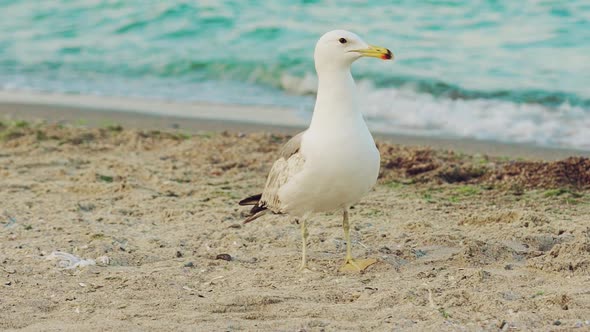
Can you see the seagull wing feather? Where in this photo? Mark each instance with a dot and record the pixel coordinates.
(289, 163)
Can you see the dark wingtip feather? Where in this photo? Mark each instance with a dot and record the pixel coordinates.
(257, 210)
(252, 200)
(256, 215)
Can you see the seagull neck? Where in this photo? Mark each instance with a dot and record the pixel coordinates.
(336, 102)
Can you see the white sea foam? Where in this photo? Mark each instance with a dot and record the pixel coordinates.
(306, 85)
(399, 110)
(407, 111)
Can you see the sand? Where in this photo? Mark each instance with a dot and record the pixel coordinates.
(463, 242)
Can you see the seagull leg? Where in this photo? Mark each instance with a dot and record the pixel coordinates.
(304, 235)
(351, 264)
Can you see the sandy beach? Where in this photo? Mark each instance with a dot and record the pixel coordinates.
(468, 235)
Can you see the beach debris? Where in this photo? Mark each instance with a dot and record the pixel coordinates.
(82, 138)
(11, 221)
(103, 260)
(571, 172)
(104, 178)
(121, 243)
(168, 193)
(192, 291)
(225, 257)
(86, 207)
(401, 163)
(68, 261)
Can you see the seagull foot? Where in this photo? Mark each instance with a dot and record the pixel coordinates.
(357, 265)
(304, 269)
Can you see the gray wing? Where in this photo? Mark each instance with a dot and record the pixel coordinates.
(292, 146)
(290, 162)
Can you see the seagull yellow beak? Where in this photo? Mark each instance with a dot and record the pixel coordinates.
(376, 52)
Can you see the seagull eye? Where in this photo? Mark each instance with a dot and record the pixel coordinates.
(342, 41)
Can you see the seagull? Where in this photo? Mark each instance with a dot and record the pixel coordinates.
(333, 163)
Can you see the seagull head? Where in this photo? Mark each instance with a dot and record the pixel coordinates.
(340, 48)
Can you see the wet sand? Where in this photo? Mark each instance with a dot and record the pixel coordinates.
(464, 241)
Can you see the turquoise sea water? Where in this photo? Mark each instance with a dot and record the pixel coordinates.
(516, 71)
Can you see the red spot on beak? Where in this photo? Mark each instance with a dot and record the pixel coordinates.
(386, 56)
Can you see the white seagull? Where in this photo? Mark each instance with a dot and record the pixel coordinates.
(333, 163)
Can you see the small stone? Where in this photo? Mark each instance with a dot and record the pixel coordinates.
(225, 257)
(557, 323)
(178, 254)
(189, 264)
(86, 207)
(508, 267)
(8, 283)
(484, 275)
(385, 250)
(510, 296)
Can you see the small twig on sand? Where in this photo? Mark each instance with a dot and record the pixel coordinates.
(216, 278)
(7, 271)
(430, 299)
